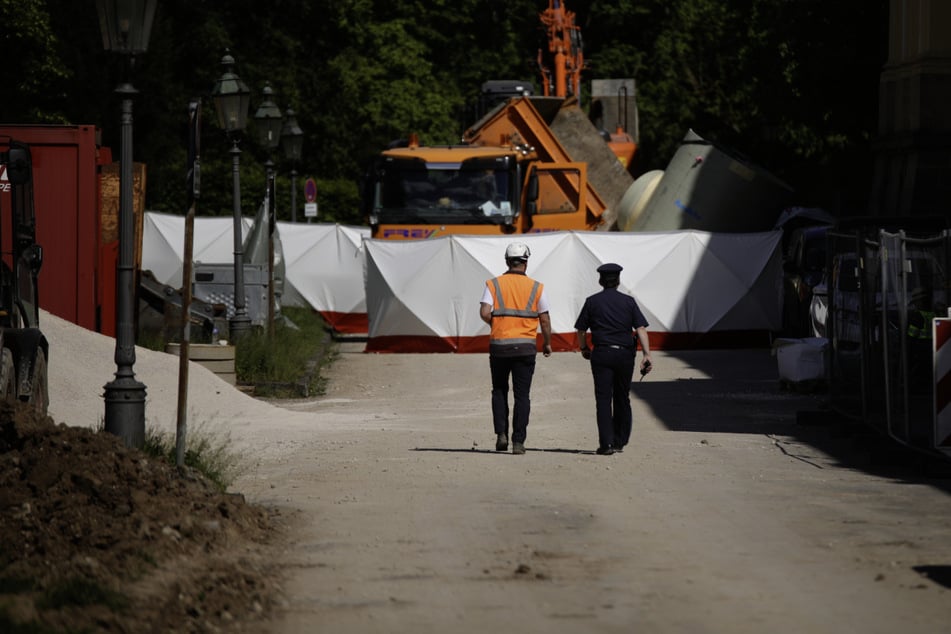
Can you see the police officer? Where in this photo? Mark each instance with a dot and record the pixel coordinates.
(514, 305)
(611, 316)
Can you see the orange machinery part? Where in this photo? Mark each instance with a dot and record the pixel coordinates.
(564, 44)
(521, 123)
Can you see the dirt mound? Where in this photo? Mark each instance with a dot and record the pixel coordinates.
(98, 537)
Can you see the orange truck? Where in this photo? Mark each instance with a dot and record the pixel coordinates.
(511, 174)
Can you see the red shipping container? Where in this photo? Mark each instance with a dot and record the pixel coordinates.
(77, 280)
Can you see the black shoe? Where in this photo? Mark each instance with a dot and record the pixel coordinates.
(605, 451)
(618, 448)
(501, 442)
(518, 448)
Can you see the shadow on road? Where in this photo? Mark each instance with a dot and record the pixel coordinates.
(739, 392)
(501, 453)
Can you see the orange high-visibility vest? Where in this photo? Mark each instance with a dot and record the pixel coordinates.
(514, 309)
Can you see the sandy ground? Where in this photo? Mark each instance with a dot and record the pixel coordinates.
(722, 515)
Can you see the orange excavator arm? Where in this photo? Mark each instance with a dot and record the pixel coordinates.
(562, 65)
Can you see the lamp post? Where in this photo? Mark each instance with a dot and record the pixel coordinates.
(268, 122)
(232, 100)
(125, 27)
(292, 139)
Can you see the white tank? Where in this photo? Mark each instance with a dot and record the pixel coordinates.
(706, 188)
(635, 199)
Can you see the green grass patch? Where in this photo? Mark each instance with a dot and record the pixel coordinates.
(206, 451)
(288, 363)
(151, 339)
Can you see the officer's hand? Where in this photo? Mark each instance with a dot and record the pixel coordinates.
(586, 353)
(546, 349)
(646, 366)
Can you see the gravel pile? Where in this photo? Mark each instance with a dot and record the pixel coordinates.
(82, 362)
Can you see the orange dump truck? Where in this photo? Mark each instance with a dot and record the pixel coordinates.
(512, 174)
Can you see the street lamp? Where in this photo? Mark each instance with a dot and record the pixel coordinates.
(292, 139)
(268, 122)
(125, 26)
(232, 100)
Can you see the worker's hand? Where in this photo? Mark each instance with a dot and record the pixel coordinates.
(546, 349)
(586, 353)
(646, 365)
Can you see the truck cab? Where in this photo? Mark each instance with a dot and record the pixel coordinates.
(423, 192)
(417, 192)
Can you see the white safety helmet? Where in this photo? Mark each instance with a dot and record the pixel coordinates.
(517, 251)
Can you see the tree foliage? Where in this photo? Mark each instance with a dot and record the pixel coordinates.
(32, 73)
(792, 84)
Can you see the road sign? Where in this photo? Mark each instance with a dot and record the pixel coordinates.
(310, 190)
(310, 210)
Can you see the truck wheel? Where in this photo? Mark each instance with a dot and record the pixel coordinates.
(40, 398)
(7, 376)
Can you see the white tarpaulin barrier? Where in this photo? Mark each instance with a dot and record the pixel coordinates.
(324, 270)
(323, 262)
(423, 296)
(163, 244)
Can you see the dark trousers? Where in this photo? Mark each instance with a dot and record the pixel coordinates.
(521, 370)
(612, 369)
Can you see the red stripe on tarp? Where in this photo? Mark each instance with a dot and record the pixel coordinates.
(347, 323)
(401, 343)
(568, 342)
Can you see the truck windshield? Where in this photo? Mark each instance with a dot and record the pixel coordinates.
(440, 193)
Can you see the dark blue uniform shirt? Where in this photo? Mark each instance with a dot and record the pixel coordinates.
(611, 316)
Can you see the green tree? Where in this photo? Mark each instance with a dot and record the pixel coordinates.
(790, 84)
(32, 73)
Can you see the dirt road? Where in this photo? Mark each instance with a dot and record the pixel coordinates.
(722, 515)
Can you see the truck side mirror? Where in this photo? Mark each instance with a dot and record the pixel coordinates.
(373, 205)
(531, 196)
(18, 165)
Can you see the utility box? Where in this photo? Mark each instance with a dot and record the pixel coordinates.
(801, 360)
(214, 284)
(215, 357)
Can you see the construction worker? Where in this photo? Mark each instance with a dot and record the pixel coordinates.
(612, 316)
(514, 305)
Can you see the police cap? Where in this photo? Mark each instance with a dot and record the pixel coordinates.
(610, 269)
